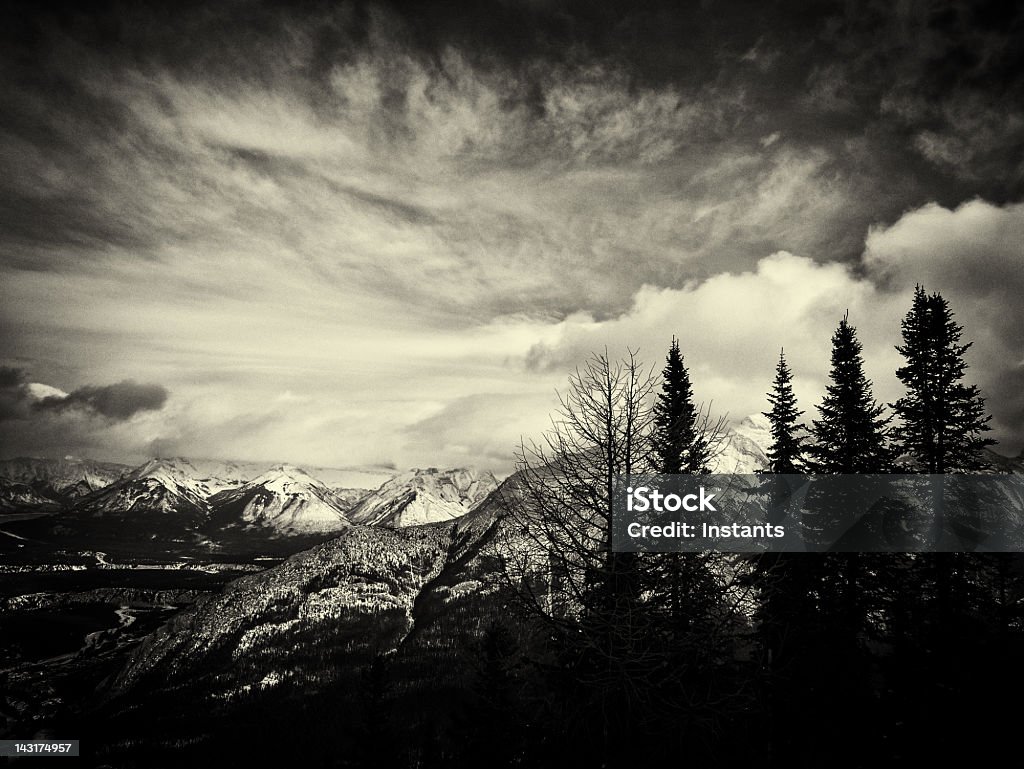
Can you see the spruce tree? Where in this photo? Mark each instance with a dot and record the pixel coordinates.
(941, 430)
(851, 436)
(786, 452)
(682, 588)
(677, 446)
(942, 420)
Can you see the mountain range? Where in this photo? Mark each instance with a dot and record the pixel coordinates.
(404, 579)
(52, 483)
(420, 583)
(179, 498)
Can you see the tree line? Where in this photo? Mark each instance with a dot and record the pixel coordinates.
(848, 659)
(941, 420)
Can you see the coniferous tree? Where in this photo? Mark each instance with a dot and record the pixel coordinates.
(674, 416)
(681, 582)
(851, 436)
(941, 430)
(684, 438)
(786, 452)
(788, 584)
(685, 596)
(942, 420)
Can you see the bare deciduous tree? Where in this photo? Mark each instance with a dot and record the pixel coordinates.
(562, 501)
(607, 609)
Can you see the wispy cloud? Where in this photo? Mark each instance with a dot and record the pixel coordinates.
(402, 219)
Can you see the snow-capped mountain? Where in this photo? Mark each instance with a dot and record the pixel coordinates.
(424, 496)
(213, 499)
(160, 486)
(56, 480)
(370, 586)
(284, 500)
(744, 449)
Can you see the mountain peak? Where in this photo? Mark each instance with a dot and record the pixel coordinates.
(155, 487)
(285, 479)
(285, 499)
(159, 466)
(424, 495)
(755, 422)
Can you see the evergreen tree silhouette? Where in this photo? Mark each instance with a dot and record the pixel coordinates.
(678, 445)
(942, 420)
(851, 435)
(785, 455)
(850, 438)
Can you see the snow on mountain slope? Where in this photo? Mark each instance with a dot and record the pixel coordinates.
(424, 496)
(744, 448)
(57, 479)
(160, 486)
(284, 500)
(321, 597)
(367, 592)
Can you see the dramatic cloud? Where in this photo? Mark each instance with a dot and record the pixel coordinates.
(117, 401)
(405, 215)
(484, 428)
(103, 421)
(973, 255)
(732, 326)
(11, 378)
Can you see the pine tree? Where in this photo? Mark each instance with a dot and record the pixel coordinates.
(942, 420)
(851, 436)
(677, 445)
(786, 452)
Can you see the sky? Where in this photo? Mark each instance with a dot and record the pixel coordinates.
(386, 233)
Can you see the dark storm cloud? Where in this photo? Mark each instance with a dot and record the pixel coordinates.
(11, 378)
(118, 402)
(13, 393)
(905, 106)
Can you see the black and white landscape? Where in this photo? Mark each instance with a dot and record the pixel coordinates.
(327, 327)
